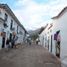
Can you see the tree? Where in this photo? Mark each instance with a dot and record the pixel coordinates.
(34, 36)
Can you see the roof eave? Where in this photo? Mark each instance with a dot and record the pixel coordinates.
(55, 17)
(6, 7)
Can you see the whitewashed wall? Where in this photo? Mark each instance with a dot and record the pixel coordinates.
(44, 37)
(2, 13)
(20, 36)
(1, 26)
(61, 24)
(41, 38)
(15, 24)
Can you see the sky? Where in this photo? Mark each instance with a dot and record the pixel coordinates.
(34, 14)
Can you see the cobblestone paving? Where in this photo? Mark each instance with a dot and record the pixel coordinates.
(28, 56)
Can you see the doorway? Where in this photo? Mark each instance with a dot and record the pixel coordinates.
(58, 44)
(51, 43)
(48, 43)
(3, 39)
(58, 50)
(10, 37)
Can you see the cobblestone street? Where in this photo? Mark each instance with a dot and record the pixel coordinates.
(28, 56)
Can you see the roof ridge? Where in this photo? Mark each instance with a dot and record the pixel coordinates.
(7, 8)
(60, 13)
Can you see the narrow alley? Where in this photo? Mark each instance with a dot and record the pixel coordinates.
(28, 56)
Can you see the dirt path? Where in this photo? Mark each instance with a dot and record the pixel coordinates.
(28, 56)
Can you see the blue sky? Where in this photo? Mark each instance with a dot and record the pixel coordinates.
(41, 1)
(34, 14)
(9, 2)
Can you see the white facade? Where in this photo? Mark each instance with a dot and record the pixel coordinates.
(17, 28)
(1, 27)
(59, 23)
(45, 37)
(21, 35)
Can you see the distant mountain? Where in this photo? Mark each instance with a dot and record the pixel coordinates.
(35, 34)
(37, 31)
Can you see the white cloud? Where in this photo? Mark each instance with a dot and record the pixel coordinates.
(34, 15)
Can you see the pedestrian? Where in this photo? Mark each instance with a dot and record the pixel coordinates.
(29, 42)
(14, 39)
(7, 44)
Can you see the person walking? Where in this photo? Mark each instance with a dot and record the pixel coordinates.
(13, 41)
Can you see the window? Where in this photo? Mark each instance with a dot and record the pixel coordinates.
(17, 29)
(6, 16)
(11, 25)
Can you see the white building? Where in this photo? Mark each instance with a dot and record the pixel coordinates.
(10, 25)
(42, 36)
(45, 37)
(59, 23)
